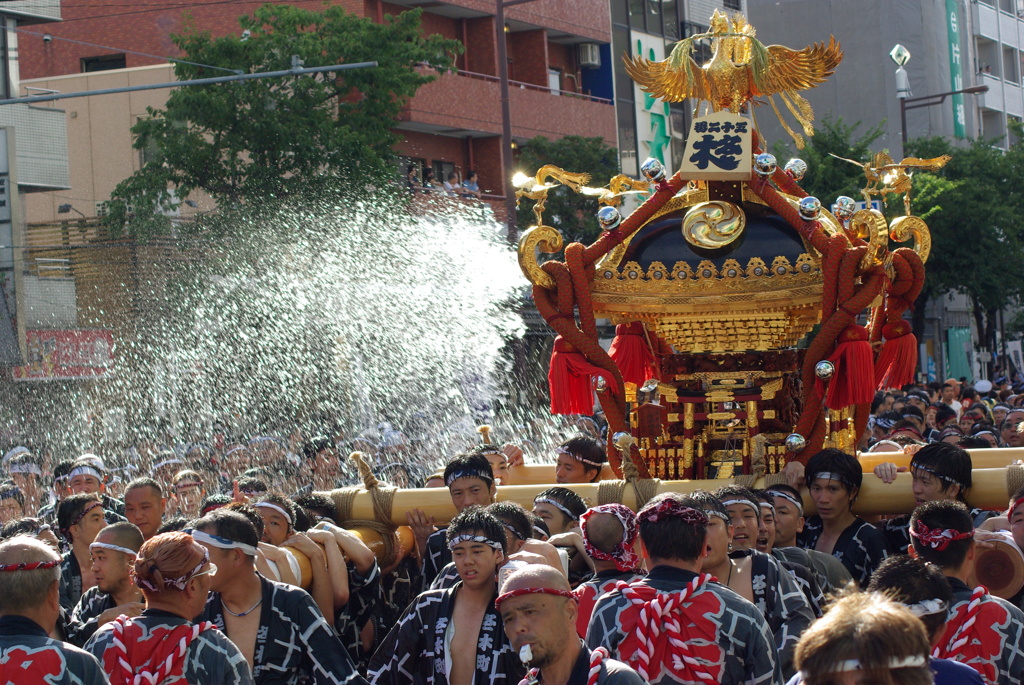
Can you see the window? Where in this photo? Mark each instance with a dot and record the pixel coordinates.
(733, 4)
(103, 63)
(555, 81)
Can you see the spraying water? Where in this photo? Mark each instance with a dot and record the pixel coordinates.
(356, 315)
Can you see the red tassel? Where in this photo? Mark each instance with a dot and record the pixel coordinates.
(897, 359)
(632, 354)
(570, 380)
(853, 381)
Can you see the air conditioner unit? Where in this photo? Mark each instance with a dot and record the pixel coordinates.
(589, 55)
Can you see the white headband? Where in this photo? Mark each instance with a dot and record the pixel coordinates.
(271, 505)
(167, 462)
(562, 450)
(928, 607)
(25, 468)
(85, 471)
(849, 665)
(715, 512)
(729, 502)
(114, 548)
(222, 543)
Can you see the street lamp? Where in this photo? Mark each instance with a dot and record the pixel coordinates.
(508, 168)
(900, 55)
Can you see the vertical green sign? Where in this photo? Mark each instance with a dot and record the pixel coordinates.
(955, 68)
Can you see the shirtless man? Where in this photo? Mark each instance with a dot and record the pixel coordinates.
(277, 627)
(455, 635)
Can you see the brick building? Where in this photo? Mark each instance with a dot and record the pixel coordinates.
(559, 70)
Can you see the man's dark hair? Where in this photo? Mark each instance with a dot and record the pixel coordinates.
(62, 469)
(513, 517)
(251, 485)
(228, 524)
(316, 445)
(8, 490)
(911, 410)
(838, 462)
(71, 508)
(178, 523)
(476, 521)
(909, 581)
(468, 466)
(586, 447)
(786, 488)
(279, 500)
(943, 515)
(318, 505)
(670, 537)
(944, 412)
(145, 482)
(214, 501)
(972, 442)
(949, 463)
(708, 502)
(23, 526)
(728, 492)
(250, 512)
(567, 498)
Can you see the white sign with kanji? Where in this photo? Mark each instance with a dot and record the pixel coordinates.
(719, 148)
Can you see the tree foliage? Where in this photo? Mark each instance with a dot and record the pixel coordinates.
(573, 214)
(827, 177)
(975, 212)
(275, 137)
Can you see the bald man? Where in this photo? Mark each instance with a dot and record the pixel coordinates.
(113, 553)
(29, 607)
(539, 614)
(609, 536)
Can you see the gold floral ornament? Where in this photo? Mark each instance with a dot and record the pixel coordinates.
(712, 225)
(741, 68)
(535, 187)
(884, 176)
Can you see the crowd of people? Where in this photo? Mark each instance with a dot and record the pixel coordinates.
(235, 564)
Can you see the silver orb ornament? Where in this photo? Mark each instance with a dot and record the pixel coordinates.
(844, 208)
(609, 218)
(601, 384)
(809, 208)
(824, 370)
(765, 164)
(796, 168)
(653, 170)
(795, 442)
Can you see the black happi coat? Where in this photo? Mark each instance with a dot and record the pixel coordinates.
(861, 547)
(413, 653)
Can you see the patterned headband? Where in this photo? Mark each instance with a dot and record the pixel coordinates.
(178, 583)
(459, 539)
(187, 484)
(468, 473)
(831, 475)
(30, 566)
(670, 508)
(532, 591)
(623, 555)
(916, 466)
(787, 496)
(937, 538)
(85, 510)
(562, 450)
(1014, 506)
(557, 505)
(511, 529)
(219, 542)
(278, 509)
(114, 548)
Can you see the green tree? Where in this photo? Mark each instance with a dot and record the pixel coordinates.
(827, 177)
(571, 213)
(272, 138)
(975, 211)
